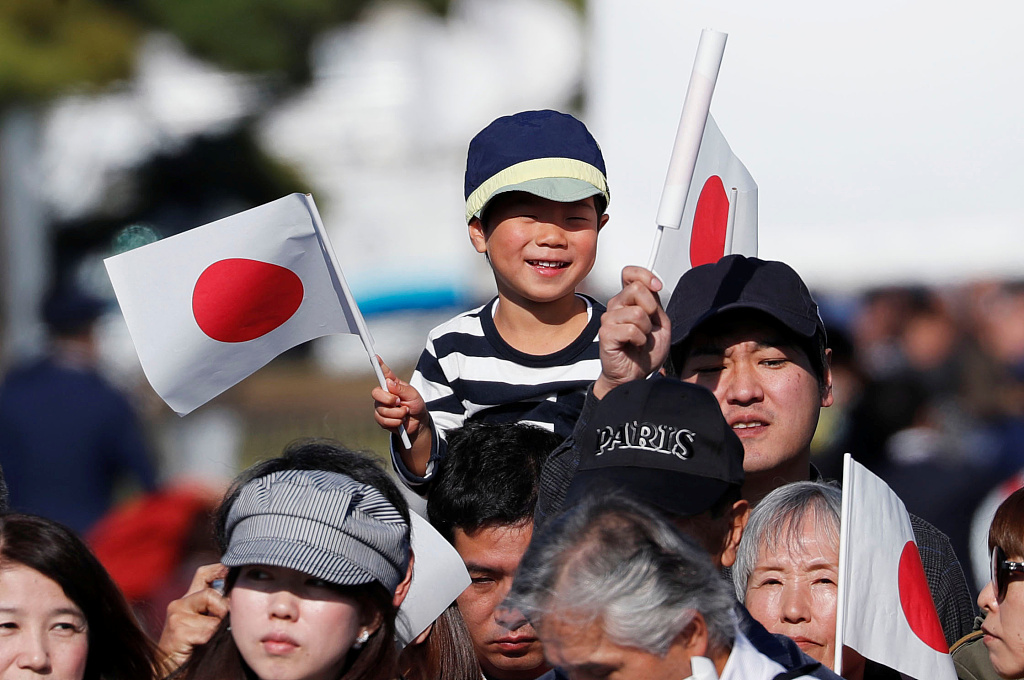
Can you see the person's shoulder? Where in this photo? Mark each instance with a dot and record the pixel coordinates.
(971, 659)
(467, 322)
(930, 537)
(597, 306)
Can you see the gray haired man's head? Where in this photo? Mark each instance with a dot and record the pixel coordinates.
(615, 560)
(778, 522)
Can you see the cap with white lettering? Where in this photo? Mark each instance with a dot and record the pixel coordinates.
(661, 440)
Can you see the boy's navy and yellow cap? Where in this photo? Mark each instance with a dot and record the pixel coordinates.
(544, 153)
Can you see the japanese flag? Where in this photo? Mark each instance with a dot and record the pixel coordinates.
(438, 577)
(719, 216)
(885, 610)
(210, 306)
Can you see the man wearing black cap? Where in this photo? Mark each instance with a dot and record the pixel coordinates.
(748, 330)
(665, 442)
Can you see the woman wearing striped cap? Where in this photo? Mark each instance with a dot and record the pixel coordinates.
(317, 545)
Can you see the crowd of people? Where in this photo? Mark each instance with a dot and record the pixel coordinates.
(632, 488)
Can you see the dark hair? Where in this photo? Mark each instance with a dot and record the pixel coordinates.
(5, 494)
(1007, 530)
(378, 658)
(489, 477)
(118, 649)
(447, 652)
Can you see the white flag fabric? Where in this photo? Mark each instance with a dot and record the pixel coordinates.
(438, 577)
(210, 306)
(719, 216)
(885, 610)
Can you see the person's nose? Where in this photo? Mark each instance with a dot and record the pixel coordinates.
(987, 598)
(34, 654)
(743, 385)
(551, 234)
(796, 604)
(283, 605)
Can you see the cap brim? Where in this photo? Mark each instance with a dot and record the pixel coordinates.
(324, 564)
(560, 189)
(681, 495)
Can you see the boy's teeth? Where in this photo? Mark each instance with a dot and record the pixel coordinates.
(743, 426)
(553, 265)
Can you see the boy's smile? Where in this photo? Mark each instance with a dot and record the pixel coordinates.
(539, 249)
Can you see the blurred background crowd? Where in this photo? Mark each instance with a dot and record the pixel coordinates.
(126, 121)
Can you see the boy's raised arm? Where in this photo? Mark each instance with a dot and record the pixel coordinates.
(401, 405)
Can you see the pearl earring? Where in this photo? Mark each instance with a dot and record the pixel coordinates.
(361, 640)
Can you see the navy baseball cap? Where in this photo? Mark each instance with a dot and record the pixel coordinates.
(740, 282)
(545, 153)
(663, 441)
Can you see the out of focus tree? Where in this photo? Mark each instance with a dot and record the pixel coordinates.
(49, 47)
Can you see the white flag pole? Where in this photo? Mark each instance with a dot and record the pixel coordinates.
(844, 559)
(692, 120)
(350, 303)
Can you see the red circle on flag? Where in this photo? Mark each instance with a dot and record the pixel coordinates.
(710, 220)
(916, 600)
(238, 300)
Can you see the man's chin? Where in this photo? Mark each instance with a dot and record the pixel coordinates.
(522, 664)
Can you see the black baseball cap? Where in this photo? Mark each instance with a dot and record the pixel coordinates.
(740, 282)
(663, 441)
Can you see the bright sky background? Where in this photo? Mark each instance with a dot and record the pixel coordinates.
(886, 137)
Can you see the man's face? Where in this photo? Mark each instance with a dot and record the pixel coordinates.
(492, 555)
(766, 387)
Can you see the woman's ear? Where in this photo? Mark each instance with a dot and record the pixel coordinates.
(403, 588)
(738, 516)
(477, 236)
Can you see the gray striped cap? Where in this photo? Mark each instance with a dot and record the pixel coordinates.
(322, 523)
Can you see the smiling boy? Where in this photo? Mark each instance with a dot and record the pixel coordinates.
(536, 194)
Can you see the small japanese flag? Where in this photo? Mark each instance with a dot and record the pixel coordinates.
(210, 306)
(719, 216)
(438, 577)
(885, 610)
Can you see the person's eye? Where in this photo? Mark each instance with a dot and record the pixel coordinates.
(826, 580)
(255, 574)
(774, 363)
(67, 628)
(482, 580)
(771, 582)
(8, 627)
(318, 583)
(709, 369)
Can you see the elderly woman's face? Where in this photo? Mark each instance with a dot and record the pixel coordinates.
(792, 591)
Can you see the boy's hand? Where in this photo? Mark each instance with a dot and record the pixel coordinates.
(400, 405)
(635, 334)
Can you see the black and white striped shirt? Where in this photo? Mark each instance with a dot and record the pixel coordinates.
(467, 371)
